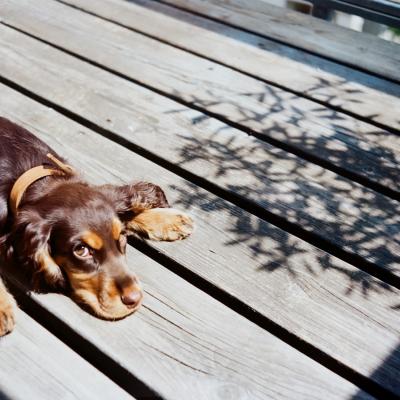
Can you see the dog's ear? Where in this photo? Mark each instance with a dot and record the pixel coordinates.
(31, 247)
(144, 210)
(131, 200)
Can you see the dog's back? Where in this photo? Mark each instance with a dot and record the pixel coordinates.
(20, 150)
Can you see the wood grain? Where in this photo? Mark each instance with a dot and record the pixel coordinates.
(321, 80)
(340, 310)
(36, 365)
(182, 343)
(361, 50)
(331, 137)
(358, 220)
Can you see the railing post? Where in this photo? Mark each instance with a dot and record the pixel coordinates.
(322, 12)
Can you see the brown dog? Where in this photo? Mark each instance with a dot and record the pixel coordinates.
(72, 234)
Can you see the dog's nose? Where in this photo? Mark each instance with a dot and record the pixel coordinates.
(131, 298)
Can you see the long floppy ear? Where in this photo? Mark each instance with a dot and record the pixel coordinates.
(144, 210)
(30, 241)
(135, 198)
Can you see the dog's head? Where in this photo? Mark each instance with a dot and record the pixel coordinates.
(76, 236)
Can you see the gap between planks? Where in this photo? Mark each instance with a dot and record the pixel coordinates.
(258, 211)
(279, 23)
(321, 82)
(253, 207)
(79, 344)
(204, 269)
(37, 365)
(330, 86)
(357, 164)
(312, 157)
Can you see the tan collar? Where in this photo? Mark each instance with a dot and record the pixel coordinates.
(34, 174)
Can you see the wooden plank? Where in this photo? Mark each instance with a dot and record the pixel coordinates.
(182, 343)
(347, 215)
(333, 138)
(37, 365)
(344, 45)
(326, 82)
(319, 299)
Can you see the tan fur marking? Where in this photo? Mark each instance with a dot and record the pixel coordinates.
(93, 240)
(100, 294)
(7, 305)
(85, 281)
(112, 290)
(162, 224)
(48, 267)
(116, 228)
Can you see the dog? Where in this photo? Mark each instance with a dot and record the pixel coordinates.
(72, 235)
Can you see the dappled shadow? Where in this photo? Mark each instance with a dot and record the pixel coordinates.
(318, 133)
(304, 127)
(274, 249)
(355, 219)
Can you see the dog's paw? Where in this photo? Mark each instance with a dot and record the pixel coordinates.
(7, 319)
(166, 224)
(175, 226)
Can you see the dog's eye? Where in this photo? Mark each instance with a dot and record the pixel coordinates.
(82, 251)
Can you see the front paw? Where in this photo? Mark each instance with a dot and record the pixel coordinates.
(176, 226)
(7, 320)
(166, 224)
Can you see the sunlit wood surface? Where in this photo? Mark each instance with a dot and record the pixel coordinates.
(285, 150)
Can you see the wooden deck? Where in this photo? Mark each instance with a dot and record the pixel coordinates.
(279, 133)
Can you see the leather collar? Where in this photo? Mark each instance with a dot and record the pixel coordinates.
(33, 175)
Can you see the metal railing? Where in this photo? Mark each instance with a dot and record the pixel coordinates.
(385, 12)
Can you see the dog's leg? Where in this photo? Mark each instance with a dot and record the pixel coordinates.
(161, 224)
(7, 304)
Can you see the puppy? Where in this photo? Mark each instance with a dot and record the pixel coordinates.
(71, 234)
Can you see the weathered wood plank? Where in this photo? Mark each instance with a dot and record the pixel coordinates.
(344, 142)
(182, 343)
(190, 346)
(327, 82)
(360, 50)
(36, 365)
(323, 301)
(358, 220)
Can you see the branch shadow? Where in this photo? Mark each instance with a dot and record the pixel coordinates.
(274, 249)
(318, 133)
(357, 219)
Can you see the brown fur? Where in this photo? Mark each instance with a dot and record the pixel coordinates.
(59, 214)
(93, 240)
